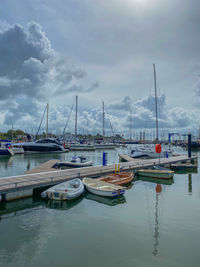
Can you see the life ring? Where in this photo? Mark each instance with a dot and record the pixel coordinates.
(158, 148)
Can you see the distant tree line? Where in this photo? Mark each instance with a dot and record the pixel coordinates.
(12, 134)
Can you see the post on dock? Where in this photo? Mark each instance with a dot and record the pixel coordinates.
(104, 158)
(189, 145)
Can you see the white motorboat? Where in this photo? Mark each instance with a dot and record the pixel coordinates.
(101, 188)
(65, 191)
(149, 151)
(75, 162)
(17, 148)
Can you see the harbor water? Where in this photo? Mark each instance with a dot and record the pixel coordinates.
(155, 223)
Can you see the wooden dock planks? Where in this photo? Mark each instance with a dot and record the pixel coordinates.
(44, 177)
(45, 167)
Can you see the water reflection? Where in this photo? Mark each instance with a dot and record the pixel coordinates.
(62, 205)
(18, 207)
(5, 162)
(156, 228)
(194, 170)
(156, 180)
(190, 183)
(106, 200)
(129, 186)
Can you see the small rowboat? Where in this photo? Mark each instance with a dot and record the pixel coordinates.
(65, 191)
(101, 188)
(161, 174)
(121, 178)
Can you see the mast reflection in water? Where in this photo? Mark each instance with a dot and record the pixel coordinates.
(156, 230)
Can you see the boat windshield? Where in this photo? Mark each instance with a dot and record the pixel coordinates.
(47, 140)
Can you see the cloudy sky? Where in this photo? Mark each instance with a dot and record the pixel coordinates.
(51, 51)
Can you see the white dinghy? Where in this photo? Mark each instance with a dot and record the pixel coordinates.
(65, 191)
(101, 188)
(75, 162)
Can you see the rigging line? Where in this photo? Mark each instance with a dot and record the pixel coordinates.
(68, 118)
(41, 121)
(110, 123)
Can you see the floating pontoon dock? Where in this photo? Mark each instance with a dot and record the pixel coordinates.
(21, 186)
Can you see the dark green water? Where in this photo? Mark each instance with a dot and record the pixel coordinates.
(151, 226)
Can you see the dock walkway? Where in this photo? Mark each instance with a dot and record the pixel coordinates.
(21, 186)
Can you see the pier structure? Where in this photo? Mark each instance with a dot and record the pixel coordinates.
(21, 186)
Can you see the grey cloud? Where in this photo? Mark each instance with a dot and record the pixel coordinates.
(24, 108)
(78, 88)
(29, 66)
(124, 105)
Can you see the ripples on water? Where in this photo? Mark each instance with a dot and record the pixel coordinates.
(156, 223)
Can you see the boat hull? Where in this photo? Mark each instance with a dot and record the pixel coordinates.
(101, 188)
(156, 174)
(43, 148)
(103, 193)
(122, 178)
(6, 152)
(181, 167)
(63, 191)
(64, 165)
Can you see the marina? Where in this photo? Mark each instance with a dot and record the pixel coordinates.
(22, 186)
(99, 133)
(142, 218)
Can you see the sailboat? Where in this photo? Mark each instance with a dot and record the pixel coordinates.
(158, 172)
(44, 145)
(104, 145)
(149, 150)
(77, 146)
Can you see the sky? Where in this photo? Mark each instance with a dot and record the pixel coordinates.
(51, 51)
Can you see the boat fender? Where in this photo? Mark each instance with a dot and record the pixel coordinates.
(44, 194)
(51, 195)
(0, 198)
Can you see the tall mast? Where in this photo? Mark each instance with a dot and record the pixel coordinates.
(47, 120)
(103, 119)
(76, 116)
(156, 105)
(130, 125)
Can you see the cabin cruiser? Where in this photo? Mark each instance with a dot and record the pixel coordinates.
(6, 149)
(44, 145)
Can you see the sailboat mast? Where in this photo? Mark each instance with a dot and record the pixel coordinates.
(76, 116)
(130, 125)
(47, 120)
(156, 104)
(103, 119)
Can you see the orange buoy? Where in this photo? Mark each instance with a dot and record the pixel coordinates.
(158, 148)
(158, 188)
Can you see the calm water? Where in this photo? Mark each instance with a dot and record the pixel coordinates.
(153, 225)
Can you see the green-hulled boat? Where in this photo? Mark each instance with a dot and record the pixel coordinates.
(160, 174)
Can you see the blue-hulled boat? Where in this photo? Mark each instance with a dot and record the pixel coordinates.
(5, 149)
